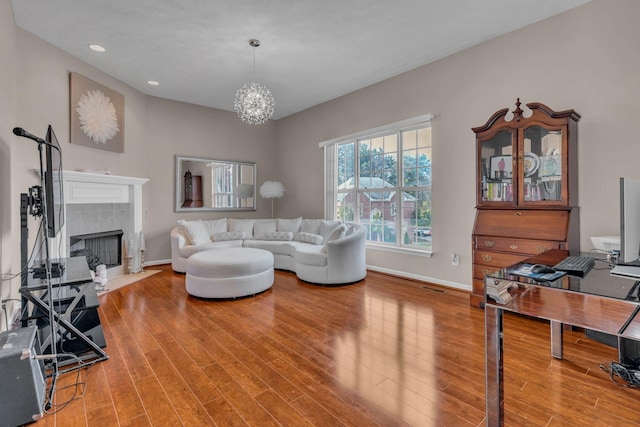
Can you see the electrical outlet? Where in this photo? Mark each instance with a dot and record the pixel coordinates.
(455, 260)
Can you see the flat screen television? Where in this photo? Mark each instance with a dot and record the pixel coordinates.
(629, 222)
(53, 184)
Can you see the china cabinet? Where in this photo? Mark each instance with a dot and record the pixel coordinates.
(526, 188)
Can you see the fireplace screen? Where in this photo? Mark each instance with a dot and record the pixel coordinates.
(99, 248)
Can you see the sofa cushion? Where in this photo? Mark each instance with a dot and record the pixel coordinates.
(326, 227)
(275, 235)
(292, 225)
(262, 226)
(196, 231)
(244, 225)
(337, 233)
(276, 247)
(215, 226)
(187, 251)
(228, 235)
(314, 239)
(310, 226)
(310, 255)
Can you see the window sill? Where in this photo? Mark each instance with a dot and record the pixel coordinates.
(396, 249)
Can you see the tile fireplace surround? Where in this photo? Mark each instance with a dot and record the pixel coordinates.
(87, 192)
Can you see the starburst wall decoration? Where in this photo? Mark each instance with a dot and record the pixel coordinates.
(97, 115)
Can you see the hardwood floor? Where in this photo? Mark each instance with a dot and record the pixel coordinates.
(385, 351)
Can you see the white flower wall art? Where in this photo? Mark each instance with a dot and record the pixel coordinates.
(97, 115)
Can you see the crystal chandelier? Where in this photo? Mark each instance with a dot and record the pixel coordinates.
(254, 102)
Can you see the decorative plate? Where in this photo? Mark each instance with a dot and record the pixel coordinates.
(531, 164)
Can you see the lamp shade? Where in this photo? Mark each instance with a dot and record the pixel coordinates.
(271, 190)
(244, 191)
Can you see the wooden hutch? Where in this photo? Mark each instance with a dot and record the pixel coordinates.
(527, 189)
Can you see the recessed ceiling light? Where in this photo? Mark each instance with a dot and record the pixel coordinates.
(97, 48)
(153, 83)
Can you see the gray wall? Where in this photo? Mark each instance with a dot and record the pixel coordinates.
(9, 251)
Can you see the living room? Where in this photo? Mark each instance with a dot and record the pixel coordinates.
(583, 59)
(578, 60)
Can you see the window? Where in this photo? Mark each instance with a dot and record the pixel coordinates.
(222, 191)
(382, 180)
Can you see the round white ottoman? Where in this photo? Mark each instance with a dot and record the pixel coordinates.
(229, 273)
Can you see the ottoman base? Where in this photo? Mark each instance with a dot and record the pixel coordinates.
(231, 287)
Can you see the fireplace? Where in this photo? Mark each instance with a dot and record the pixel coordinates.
(100, 204)
(100, 248)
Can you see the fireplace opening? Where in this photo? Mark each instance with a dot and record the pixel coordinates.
(100, 248)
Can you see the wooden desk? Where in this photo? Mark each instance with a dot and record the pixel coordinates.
(592, 303)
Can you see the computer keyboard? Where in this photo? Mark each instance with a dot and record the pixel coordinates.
(576, 265)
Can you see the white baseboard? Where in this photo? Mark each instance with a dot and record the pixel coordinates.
(455, 285)
(157, 262)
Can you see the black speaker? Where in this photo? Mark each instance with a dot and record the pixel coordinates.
(22, 384)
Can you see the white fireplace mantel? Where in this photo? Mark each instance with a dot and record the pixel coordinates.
(91, 188)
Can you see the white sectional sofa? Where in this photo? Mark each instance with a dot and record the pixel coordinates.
(318, 251)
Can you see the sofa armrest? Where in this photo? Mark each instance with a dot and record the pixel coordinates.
(346, 257)
(178, 240)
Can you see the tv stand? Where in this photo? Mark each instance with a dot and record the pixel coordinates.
(74, 301)
(40, 272)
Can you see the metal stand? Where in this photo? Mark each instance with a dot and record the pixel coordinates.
(35, 203)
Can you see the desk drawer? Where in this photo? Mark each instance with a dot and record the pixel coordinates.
(521, 246)
(523, 223)
(480, 270)
(496, 259)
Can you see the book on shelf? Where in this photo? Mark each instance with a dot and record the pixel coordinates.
(498, 191)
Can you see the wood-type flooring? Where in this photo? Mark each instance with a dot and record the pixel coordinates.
(382, 352)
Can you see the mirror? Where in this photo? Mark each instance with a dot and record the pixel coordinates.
(214, 185)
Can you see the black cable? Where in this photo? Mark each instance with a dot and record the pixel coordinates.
(25, 267)
(631, 377)
(79, 385)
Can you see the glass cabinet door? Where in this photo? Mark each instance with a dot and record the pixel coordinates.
(541, 159)
(496, 169)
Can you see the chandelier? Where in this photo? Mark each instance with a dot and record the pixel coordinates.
(254, 102)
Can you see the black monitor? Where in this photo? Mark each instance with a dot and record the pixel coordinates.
(53, 184)
(629, 222)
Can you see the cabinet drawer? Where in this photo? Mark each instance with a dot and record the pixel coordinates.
(522, 246)
(496, 259)
(523, 223)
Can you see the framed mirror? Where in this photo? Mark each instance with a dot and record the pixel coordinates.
(214, 185)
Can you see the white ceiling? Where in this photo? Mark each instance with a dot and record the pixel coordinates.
(312, 50)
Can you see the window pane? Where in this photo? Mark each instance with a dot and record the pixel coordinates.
(377, 145)
(409, 139)
(391, 143)
(424, 137)
(346, 206)
(345, 163)
(417, 227)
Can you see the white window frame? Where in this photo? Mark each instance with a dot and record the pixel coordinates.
(329, 147)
